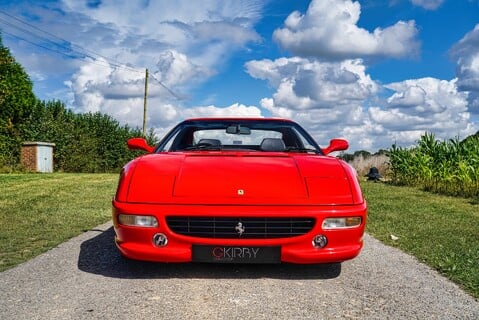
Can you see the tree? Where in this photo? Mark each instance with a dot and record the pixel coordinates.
(17, 101)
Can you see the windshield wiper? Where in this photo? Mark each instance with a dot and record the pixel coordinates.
(203, 146)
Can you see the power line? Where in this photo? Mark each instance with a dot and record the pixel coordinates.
(38, 45)
(167, 89)
(73, 51)
(95, 62)
(111, 61)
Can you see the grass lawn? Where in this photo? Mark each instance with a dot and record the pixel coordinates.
(40, 211)
(441, 231)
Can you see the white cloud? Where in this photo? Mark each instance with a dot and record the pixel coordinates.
(275, 111)
(426, 95)
(174, 68)
(333, 100)
(466, 52)
(154, 12)
(325, 97)
(119, 92)
(186, 26)
(411, 97)
(421, 105)
(329, 30)
(416, 106)
(182, 43)
(309, 84)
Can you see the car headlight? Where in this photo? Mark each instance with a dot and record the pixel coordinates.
(137, 220)
(341, 223)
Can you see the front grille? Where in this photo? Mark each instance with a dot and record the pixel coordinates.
(239, 227)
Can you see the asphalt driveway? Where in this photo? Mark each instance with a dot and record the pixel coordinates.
(85, 278)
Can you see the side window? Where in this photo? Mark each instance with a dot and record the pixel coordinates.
(169, 144)
(305, 142)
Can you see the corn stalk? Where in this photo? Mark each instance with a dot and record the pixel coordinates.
(449, 167)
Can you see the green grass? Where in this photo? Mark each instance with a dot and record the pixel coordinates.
(439, 230)
(40, 211)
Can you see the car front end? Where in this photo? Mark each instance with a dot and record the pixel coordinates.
(238, 205)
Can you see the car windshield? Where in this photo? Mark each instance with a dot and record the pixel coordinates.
(265, 135)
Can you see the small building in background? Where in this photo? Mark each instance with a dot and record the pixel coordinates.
(37, 156)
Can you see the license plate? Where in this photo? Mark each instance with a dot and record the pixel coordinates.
(232, 254)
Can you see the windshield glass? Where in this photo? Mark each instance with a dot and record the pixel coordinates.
(238, 134)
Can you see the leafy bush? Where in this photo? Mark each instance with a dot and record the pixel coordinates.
(91, 142)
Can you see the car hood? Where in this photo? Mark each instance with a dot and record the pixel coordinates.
(217, 178)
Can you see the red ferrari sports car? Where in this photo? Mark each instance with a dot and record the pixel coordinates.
(239, 191)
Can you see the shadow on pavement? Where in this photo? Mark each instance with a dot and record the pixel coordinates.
(99, 255)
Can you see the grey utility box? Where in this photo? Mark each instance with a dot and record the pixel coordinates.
(38, 156)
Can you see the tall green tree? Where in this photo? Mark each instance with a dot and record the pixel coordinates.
(17, 102)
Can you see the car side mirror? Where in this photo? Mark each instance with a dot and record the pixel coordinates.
(139, 144)
(336, 145)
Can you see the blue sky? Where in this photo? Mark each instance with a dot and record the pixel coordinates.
(373, 72)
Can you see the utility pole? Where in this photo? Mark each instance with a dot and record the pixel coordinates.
(145, 98)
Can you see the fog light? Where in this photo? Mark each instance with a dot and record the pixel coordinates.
(160, 240)
(341, 223)
(137, 220)
(320, 241)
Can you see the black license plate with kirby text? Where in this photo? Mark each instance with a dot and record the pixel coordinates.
(233, 254)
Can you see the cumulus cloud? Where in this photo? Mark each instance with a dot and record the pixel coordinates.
(309, 84)
(186, 26)
(325, 97)
(119, 92)
(414, 107)
(421, 105)
(413, 96)
(466, 52)
(426, 95)
(182, 43)
(329, 30)
(174, 68)
(339, 99)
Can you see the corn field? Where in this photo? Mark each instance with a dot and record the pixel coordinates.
(448, 167)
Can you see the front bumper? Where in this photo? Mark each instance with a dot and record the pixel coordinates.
(137, 242)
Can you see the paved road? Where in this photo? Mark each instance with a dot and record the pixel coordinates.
(85, 278)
